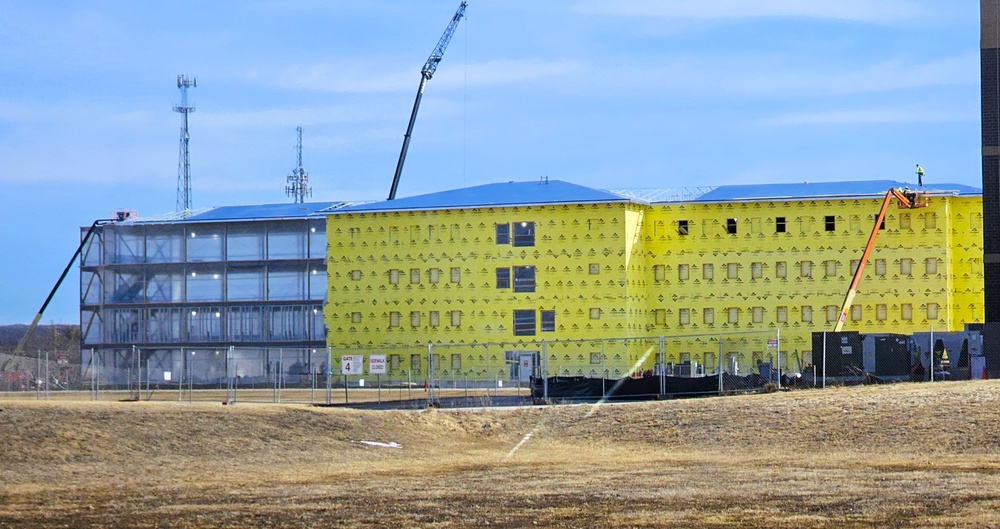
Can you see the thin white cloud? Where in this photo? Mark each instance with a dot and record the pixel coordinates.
(881, 11)
(872, 116)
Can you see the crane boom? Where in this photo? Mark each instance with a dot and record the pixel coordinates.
(906, 200)
(425, 74)
(38, 317)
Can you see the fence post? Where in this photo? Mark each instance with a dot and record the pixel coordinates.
(663, 364)
(38, 373)
(46, 376)
(545, 373)
(604, 375)
(719, 369)
(824, 359)
(930, 362)
(329, 376)
(777, 355)
(430, 374)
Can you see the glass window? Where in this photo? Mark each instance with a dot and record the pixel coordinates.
(731, 226)
(524, 279)
(905, 266)
(660, 316)
(524, 323)
(830, 223)
(503, 277)
(682, 227)
(503, 233)
(204, 243)
(394, 277)
(355, 317)
(393, 319)
(708, 316)
(856, 313)
(932, 311)
(288, 283)
(880, 312)
(906, 311)
(286, 323)
(757, 270)
(782, 314)
(831, 269)
(595, 313)
(165, 286)
(125, 245)
(548, 321)
(779, 224)
(779, 269)
(880, 267)
(684, 316)
(317, 240)
(524, 234)
(204, 284)
(930, 265)
(682, 272)
(758, 314)
(355, 275)
(164, 245)
(806, 268)
(245, 323)
(659, 273)
(286, 242)
(433, 275)
(456, 274)
(435, 318)
(245, 242)
(595, 269)
(734, 315)
(414, 276)
(245, 283)
(733, 271)
(414, 319)
(832, 313)
(807, 314)
(456, 318)
(708, 271)
(415, 362)
(317, 282)
(205, 324)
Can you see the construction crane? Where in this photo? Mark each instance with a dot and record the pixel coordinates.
(38, 317)
(907, 200)
(425, 74)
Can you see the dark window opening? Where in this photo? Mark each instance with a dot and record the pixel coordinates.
(524, 323)
(503, 233)
(779, 224)
(831, 223)
(524, 234)
(503, 277)
(548, 321)
(524, 279)
(731, 226)
(682, 227)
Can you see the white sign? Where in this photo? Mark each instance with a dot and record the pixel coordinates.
(772, 344)
(351, 364)
(166, 376)
(847, 350)
(376, 364)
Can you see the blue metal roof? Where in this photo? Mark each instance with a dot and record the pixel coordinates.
(489, 195)
(824, 190)
(263, 211)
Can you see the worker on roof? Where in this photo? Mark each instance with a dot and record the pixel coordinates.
(920, 176)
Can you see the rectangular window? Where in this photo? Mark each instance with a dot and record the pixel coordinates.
(394, 362)
(830, 222)
(780, 269)
(393, 277)
(524, 323)
(930, 265)
(806, 269)
(733, 270)
(930, 221)
(414, 319)
(758, 314)
(435, 318)
(456, 274)
(731, 226)
(355, 317)
(904, 221)
(708, 271)
(779, 224)
(393, 319)
(503, 233)
(433, 275)
(682, 227)
(905, 266)
(595, 358)
(456, 318)
(684, 316)
(524, 234)
(906, 312)
(548, 321)
(415, 363)
(880, 312)
(594, 269)
(831, 268)
(708, 316)
(734, 315)
(856, 313)
(414, 276)
(831, 313)
(503, 277)
(660, 316)
(659, 273)
(456, 361)
(524, 279)
(932, 311)
(880, 267)
(757, 270)
(855, 263)
(782, 314)
(682, 272)
(806, 314)
(355, 275)
(595, 313)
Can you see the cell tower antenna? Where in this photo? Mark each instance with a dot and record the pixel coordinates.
(184, 159)
(298, 182)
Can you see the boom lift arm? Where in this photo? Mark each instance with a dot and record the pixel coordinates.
(38, 317)
(907, 200)
(425, 74)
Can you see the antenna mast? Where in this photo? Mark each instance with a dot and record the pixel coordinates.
(184, 160)
(298, 181)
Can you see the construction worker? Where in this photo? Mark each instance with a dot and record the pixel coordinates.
(920, 176)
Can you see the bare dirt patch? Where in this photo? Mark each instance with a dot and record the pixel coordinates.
(895, 456)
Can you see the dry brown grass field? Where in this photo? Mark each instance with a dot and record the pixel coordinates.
(906, 455)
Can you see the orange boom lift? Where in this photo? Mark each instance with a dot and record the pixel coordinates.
(907, 200)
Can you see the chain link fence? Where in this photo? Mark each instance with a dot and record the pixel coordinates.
(635, 367)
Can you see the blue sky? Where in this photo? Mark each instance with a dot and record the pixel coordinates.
(630, 93)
